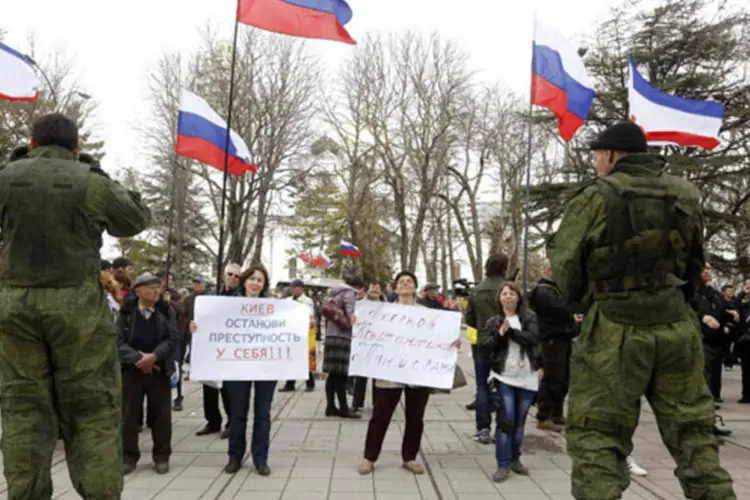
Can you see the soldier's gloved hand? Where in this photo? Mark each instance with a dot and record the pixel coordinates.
(19, 153)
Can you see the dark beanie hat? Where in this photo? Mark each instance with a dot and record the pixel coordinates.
(624, 136)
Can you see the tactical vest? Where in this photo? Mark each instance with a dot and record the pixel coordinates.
(49, 238)
(634, 275)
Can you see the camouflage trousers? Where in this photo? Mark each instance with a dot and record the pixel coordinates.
(59, 375)
(612, 367)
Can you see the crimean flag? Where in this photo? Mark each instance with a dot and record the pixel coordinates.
(670, 119)
(559, 80)
(322, 19)
(18, 80)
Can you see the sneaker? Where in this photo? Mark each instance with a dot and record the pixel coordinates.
(500, 475)
(224, 434)
(205, 431)
(548, 425)
(483, 436)
(263, 470)
(520, 469)
(161, 468)
(177, 406)
(128, 468)
(414, 467)
(635, 469)
(287, 388)
(365, 467)
(744, 401)
(722, 432)
(471, 406)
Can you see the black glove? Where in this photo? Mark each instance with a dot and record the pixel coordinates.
(19, 153)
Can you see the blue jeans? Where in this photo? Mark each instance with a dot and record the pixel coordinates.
(483, 412)
(239, 403)
(513, 407)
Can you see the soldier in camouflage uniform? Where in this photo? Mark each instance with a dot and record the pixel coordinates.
(630, 247)
(58, 356)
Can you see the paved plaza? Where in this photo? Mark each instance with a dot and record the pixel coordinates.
(315, 458)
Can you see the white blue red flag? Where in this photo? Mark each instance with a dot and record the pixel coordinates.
(670, 119)
(349, 250)
(202, 136)
(18, 80)
(559, 80)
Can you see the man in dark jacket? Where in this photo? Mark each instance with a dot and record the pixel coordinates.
(211, 411)
(715, 319)
(147, 340)
(484, 303)
(558, 321)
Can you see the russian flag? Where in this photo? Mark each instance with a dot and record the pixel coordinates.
(322, 19)
(202, 136)
(18, 80)
(349, 250)
(669, 119)
(559, 80)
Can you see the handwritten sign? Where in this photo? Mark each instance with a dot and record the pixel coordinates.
(249, 339)
(406, 344)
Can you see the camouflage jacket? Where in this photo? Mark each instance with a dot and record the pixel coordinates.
(584, 229)
(53, 212)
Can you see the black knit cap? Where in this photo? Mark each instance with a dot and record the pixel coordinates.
(626, 137)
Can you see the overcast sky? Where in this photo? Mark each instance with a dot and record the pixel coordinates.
(114, 45)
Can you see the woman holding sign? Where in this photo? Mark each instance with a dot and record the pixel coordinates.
(387, 397)
(510, 341)
(254, 284)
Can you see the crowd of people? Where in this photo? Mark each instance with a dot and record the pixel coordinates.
(64, 377)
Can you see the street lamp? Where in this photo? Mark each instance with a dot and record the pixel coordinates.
(80, 94)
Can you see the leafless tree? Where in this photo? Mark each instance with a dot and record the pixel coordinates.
(416, 99)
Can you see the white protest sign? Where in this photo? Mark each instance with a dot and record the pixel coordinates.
(408, 344)
(241, 338)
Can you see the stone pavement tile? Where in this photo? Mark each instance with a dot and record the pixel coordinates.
(256, 495)
(258, 483)
(304, 495)
(149, 480)
(553, 486)
(195, 483)
(138, 494)
(403, 484)
(180, 495)
(309, 485)
(518, 485)
(311, 472)
(352, 496)
(205, 459)
(460, 487)
(363, 484)
(401, 496)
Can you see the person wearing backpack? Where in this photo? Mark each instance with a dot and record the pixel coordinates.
(630, 249)
(338, 310)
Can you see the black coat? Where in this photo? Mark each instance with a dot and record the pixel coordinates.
(554, 312)
(494, 347)
(709, 302)
(168, 336)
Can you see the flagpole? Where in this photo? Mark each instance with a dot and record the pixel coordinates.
(168, 263)
(527, 222)
(220, 258)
